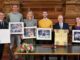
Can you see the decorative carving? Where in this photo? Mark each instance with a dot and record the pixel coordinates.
(11, 2)
(42, 0)
(71, 11)
(71, 1)
(8, 3)
(1, 5)
(70, 8)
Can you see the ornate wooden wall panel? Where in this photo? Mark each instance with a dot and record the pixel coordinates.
(9, 3)
(1, 5)
(69, 8)
(54, 7)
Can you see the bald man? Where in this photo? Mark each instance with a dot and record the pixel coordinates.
(61, 24)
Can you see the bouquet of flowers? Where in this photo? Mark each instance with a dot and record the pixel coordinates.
(25, 48)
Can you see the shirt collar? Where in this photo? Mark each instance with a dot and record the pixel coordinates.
(45, 18)
(61, 23)
(15, 12)
(1, 20)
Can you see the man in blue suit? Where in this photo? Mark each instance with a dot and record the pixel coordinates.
(61, 25)
(3, 25)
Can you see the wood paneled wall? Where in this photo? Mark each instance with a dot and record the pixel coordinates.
(69, 8)
(1, 4)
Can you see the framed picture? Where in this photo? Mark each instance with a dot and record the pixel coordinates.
(44, 33)
(4, 36)
(16, 27)
(61, 37)
(29, 32)
(76, 36)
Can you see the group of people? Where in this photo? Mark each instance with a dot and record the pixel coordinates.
(29, 21)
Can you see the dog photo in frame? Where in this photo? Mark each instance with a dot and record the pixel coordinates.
(16, 27)
(76, 36)
(29, 32)
(44, 33)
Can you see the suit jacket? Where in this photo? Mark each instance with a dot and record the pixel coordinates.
(4, 25)
(57, 26)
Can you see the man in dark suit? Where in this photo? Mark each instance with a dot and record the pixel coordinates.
(61, 25)
(3, 25)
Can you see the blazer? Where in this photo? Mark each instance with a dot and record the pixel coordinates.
(4, 25)
(57, 26)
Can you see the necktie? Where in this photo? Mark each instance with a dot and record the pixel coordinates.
(1, 24)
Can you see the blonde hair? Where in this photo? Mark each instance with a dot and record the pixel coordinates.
(32, 13)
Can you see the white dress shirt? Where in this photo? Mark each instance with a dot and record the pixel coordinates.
(61, 25)
(1, 22)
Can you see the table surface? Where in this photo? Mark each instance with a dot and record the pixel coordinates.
(53, 50)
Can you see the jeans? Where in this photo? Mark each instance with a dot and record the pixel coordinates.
(13, 39)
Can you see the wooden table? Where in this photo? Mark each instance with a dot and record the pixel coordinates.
(71, 50)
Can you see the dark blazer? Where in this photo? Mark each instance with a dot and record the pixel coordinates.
(4, 25)
(57, 26)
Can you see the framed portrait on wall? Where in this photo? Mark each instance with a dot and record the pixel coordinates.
(29, 32)
(44, 33)
(76, 36)
(16, 27)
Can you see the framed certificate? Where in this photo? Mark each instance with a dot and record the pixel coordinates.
(44, 33)
(16, 27)
(61, 37)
